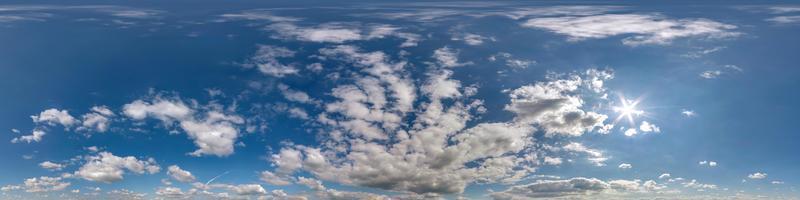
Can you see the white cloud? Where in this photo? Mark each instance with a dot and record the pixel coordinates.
(688, 113)
(294, 95)
(266, 61)
(645, 29)
(552, 161)
(710, 74)
(631, 132)
(709, 163)
(35, 136)
(369, 142)
(785, 19)
(512, 62)
(577, 187)
(106, 167)
(777, 182)
(625, 166)
(214, 132)
(664, 175)
(260, 15)
(556, 105)
(698, 186)
(274, 179)
(757, 175)
(648, 127)
(39, 184)
(97, 120)
(51, 166)
(471, 38)
(595, 156)
(448, 57)
(340, 32)
(54, 116)
(179, 174)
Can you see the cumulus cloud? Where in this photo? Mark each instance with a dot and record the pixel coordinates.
(514, 63)
(757, 175)
(107, 168)
(664, 175)
(556, 105)
(97, 120)
(51, 166)
(214, 132)
(647, 127)
(54, 116)
(179, 174)
(35, 136)
(645, 29)
(368, 139)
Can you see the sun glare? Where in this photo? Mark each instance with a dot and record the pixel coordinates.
(627, 109)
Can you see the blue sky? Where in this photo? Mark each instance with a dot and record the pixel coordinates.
(382, 100)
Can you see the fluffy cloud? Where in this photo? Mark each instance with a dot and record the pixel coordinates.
(648, 127)
(757, 175)
(214, 132)
(97, 120)
(664, 175)
(51, 166)
(179, 174)
(106, 167)
(556, 105)
(35, 136)
(646, 29)
(54, 116)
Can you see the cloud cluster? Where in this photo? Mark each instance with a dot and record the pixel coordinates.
(213, 130)
(369, 140)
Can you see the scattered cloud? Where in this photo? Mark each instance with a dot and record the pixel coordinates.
(266, 61)
(213, 131)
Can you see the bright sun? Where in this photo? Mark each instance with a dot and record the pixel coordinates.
(627, 109)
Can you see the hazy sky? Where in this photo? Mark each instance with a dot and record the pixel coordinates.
(418, 100)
